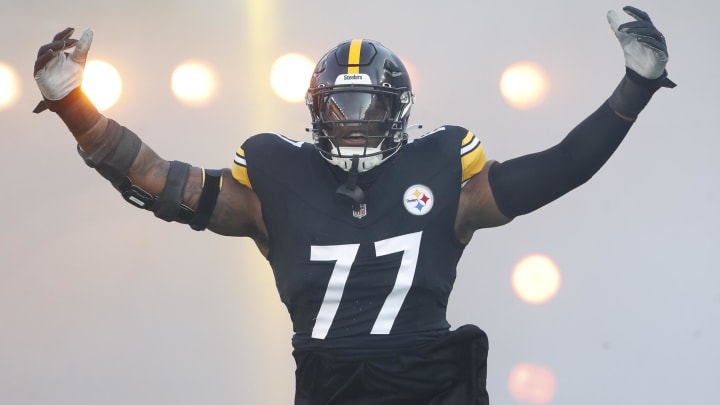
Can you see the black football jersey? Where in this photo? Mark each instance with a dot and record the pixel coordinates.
(350, 275)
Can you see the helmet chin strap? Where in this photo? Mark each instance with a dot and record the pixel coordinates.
(350, 189)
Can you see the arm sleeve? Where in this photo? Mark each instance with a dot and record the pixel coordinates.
(526, 183)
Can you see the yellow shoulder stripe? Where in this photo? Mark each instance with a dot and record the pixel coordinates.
(239, 168)
(472, 156)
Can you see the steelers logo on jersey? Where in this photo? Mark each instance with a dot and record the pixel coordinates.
(418, 199)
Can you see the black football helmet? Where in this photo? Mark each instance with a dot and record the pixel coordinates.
(362, 90)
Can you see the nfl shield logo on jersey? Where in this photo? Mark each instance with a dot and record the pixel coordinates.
(418, 199)
(361, 212)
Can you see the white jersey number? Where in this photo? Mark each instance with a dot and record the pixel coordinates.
(344, 257)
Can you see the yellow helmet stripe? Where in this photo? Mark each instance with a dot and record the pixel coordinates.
(354, 56)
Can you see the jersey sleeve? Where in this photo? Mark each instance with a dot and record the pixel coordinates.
(472, 156)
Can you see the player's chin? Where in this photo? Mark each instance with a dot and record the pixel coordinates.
(354, 141)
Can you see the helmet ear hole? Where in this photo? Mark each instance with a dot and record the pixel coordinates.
(392, 67)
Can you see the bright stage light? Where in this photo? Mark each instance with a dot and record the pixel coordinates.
(102, 84)
(536, 279)
(290, 76)
(194, 83)
(9, 86)
(524, 85)
(531, 384)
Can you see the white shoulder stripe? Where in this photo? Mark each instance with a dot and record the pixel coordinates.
(240, 160)
(432, 132)
(288, 140)
(469, 147)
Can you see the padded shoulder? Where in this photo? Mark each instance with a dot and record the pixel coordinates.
(472, 153)
(263, 147)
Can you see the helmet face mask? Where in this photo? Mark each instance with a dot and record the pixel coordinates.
(359, 101)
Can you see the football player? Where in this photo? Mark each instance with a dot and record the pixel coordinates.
(362, 227)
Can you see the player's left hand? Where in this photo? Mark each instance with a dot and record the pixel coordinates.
(57, 72)
(643, 45)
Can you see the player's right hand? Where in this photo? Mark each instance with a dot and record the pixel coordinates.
(57, 72)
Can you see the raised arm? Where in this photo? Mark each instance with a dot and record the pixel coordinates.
(172, 190)
(521, 185)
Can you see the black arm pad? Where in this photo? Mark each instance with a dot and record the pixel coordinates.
(208, 199)
(169, 203)
(526, 183)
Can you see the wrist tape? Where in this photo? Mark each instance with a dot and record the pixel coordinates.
(76, 110)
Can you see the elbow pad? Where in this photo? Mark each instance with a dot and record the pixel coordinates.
(168, 205)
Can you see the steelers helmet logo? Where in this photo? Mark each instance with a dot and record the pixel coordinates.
(418, 199)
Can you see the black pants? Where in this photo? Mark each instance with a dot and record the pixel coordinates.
(449, 371)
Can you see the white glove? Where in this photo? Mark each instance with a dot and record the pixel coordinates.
(643, 45)
(57, 72)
